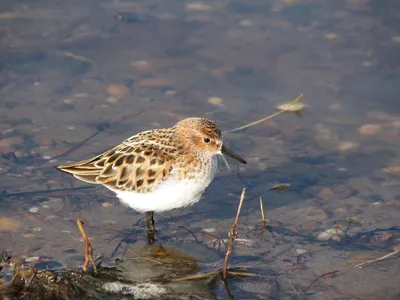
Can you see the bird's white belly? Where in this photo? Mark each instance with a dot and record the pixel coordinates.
(169, 195)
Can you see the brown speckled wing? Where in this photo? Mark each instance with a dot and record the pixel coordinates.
(135, 165)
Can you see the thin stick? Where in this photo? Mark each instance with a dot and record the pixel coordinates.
(262, 209)
(196, 276)
(320, 276)
(263, 220)
(244, 274)
(88, 248)
(264, 119)
(396, 251)
(74, 56)
(232, 235)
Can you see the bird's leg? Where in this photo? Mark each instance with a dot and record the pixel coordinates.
(150, 227)
(150, 221)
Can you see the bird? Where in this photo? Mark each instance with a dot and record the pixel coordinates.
(160, 169)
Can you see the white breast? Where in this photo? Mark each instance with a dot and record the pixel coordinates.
(171, 193)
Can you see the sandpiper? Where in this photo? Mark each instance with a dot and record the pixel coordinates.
(160, 169)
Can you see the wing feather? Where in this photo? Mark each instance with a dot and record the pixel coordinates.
(132, 166)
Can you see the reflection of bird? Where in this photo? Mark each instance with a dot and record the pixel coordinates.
(159, 169)
(156, 272)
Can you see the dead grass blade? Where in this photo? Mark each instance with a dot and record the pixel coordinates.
(232, 235)
(395, 251)
(266, 118)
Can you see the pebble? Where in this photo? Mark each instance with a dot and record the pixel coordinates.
(396, 39)
(81, 95)
(331, 36)
(32, 259)
(34, 210)
(392, 169)
(301, 251)
(29, 235)
(246, 23)
(262, 166)
(68, 101)
(170, 93)
(154, 83)
(329, 233)
(142, 65)
(8, 224)
(198, 6)
(217, 101)
(348, 146)
(112, 100)
(367, 63)
(209, 230)
(334, 107)
(206, 237)
(117, 90)
(281, 187)
(370, 129)
(325, 193)
(245, 242)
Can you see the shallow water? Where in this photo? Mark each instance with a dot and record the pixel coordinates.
(75, 80)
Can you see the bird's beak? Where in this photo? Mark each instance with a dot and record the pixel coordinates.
(230, 153)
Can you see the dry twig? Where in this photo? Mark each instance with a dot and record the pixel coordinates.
(266, 118)
(88, 248)
(262, 210)
(232, 235)
(395, 251)
(332, 273)
(213, 274)
(263, 220)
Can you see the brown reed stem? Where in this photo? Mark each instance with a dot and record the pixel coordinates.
(232, 235)
(88, 248)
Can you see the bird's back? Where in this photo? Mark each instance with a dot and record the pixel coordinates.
(138, 164)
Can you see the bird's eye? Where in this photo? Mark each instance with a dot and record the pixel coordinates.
(207, 140)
